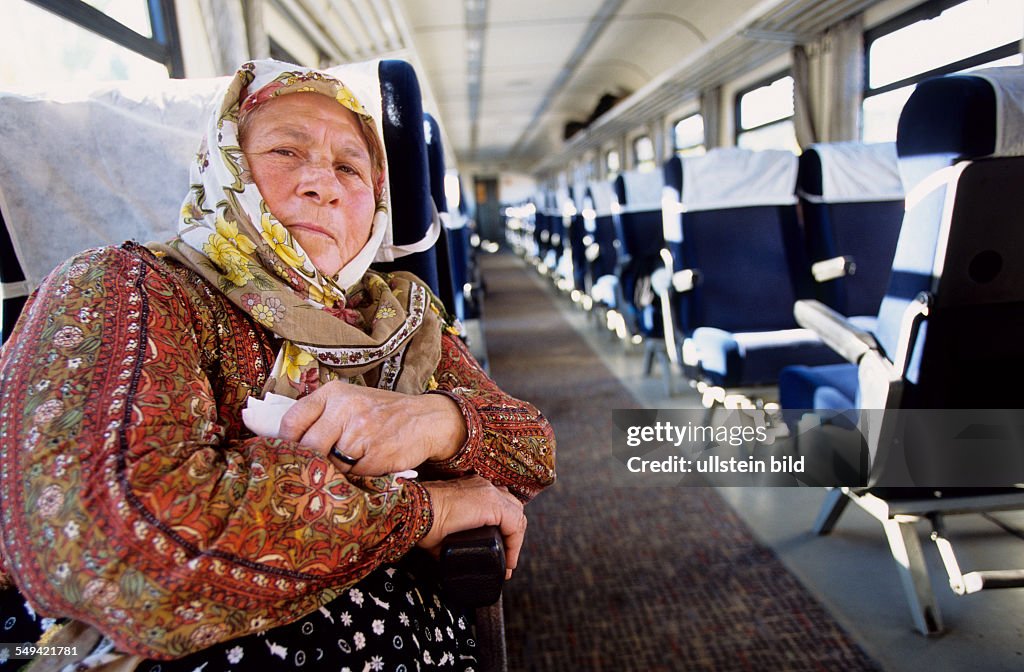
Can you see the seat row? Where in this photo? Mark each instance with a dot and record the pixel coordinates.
(884, 292)
(703, 262)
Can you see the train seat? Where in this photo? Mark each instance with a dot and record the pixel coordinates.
(459, 292)
(561, 217)
(637, 205)
(447, 259)
(947, 338)
(600, 236)
(734, 267)
(851, 202)
(577, 235)
(549, 223)
(118, 168)
(541, 232)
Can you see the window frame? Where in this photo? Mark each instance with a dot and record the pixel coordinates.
(924, 12)
(164, 47)
(738, 130)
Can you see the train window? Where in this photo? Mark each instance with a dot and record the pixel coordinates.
(612, 163)
(937, 38)
(688, 135)
(98, 39)
(643, 154)
(764, 115)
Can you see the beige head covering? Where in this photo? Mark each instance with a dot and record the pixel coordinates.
(360, 326)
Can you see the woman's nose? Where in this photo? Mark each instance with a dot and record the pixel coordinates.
(319, 183)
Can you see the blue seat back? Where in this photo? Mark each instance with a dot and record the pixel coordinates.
(962, 242)
(639, 211)
(851, 200)
(452, 245)
(599, 222)
(412, 207)
(739, 229)
(576, 237)
(548, 228)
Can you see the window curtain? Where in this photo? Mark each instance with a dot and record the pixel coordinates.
(828, 76)
(234, 29)
(711, 111)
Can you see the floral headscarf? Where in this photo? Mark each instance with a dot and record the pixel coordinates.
(360, 326)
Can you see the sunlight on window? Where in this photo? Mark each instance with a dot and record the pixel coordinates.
(612, 163)
(767, 103)
(643, 151)
(688, 134)
(776, 136)
(967, 29)
(66, 53)
(881, 113)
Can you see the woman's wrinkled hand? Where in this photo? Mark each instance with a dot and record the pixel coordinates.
(470, 502)
(384, 431)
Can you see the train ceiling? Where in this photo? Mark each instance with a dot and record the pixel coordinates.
(506, 76)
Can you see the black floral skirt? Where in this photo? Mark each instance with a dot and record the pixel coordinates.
(393, 620)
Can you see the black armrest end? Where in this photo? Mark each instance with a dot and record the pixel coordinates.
(472, 567)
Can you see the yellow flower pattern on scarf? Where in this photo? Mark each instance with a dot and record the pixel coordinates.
(230, 231)
(295, 358)
(346, 98)
(229, 259)
(277, 237)
(325, 297)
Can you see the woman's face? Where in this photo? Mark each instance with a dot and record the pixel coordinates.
(310, 161)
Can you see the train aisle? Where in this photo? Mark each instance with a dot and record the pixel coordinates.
(631, 578)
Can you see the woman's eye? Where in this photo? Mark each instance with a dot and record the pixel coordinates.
(345, 168)
(283, 152)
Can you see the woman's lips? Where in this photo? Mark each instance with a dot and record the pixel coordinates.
(307, 227)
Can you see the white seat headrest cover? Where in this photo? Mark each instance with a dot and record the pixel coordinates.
(731, 177)
(854, 172)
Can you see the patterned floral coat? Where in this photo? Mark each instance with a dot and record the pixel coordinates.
(133, 498)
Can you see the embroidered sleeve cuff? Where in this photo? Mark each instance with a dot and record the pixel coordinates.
(465, 457)
(420, 519)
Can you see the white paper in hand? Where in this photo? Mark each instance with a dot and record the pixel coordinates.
(263, 416)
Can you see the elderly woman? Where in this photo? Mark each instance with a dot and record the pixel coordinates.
(137, 502)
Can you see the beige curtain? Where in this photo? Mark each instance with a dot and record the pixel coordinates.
(711, 111)
(828, 76)
(234, 29)
(805, 107)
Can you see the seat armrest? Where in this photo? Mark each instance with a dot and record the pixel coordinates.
(681, 281)
(834, 329)
(830, 269)
(685, 280)
(472, 567)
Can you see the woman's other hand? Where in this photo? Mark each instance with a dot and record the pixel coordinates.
(471, 502)
(385, 432)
